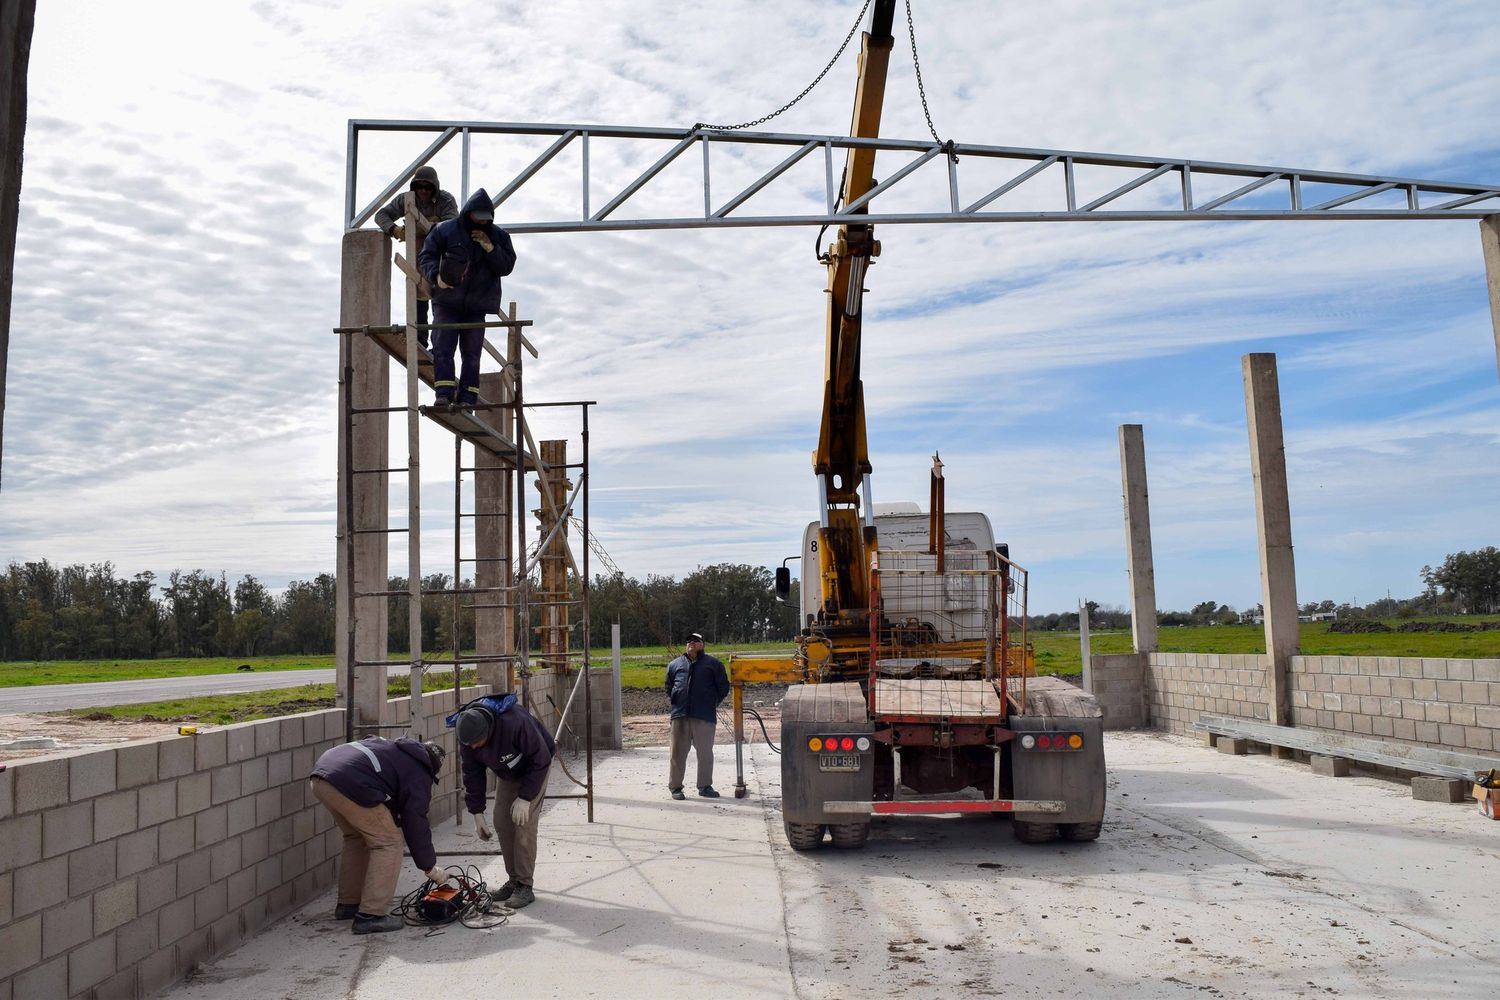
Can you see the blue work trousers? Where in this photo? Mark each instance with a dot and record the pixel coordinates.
(469, 342)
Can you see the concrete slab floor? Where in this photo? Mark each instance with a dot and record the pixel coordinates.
(1218, 876)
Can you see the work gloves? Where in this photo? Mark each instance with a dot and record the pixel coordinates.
(482, 827)
(482, 239)
(520, 811)
(437, 876)
(398, 232)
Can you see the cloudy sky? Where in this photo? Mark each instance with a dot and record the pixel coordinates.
(172, 374)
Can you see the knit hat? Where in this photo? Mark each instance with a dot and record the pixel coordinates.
(474, 724)
(435, 754)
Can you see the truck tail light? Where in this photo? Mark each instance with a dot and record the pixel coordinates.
(1052, 741)
(815, 744)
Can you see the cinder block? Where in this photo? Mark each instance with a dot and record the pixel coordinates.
(253, 776)
(136, 939)
(278, 768)
(210, 903)
(6, 895)
(240, 741)
(135, 764)
(157, 888)
(292, 733)
(173, 921)
(224, 859)
(1332, 767)
(193, 950)
(1231, 745)
(1209, 739)
(91, 774)
(48, 980)
(20, 842)
(175, 757)
(120, 986)
(293, 797)
(226, 933)
(303, 759)
(114, 906)
(267, 875)
(21, 946)
(157, 971)
(194, 792)
(281, 834)
(211, 750)
(1426, 788)
(90, 868)
(241, 816)
(225, 783)
(255, 845)
(193, 872)
(175, 839)
(267, 737)
(115, 815)
(156, 803)
(91, 964)
(67, 829)
(240, 888)
(213, 825)
(302, 825)
(66, 924)
(40, 884)
(41, 783)
(7, 793)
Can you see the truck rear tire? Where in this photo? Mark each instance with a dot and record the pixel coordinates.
(849, 836)
(1034, 833)
(1079, 832)
(804, 836)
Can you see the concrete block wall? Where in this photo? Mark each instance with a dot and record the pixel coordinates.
(124, 868)
(1446, 704)
(447, 797)
(1117, 682)
(549, 693)
(1181, 686)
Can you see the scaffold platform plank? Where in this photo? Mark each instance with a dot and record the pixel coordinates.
(394, 344)
(479, 433)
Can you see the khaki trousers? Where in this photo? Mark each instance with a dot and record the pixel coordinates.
(518, 844)
(371, 861)
(700, 736)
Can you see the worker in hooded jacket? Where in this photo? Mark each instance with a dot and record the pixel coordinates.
(370, 787)
(464, 260)
(495, 734)
(433, 204)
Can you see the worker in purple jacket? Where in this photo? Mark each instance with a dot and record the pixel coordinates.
(371, 787)
(496, 734)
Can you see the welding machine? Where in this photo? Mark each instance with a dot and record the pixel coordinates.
(441, 905)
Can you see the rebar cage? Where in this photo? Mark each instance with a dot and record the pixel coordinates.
(965, 621)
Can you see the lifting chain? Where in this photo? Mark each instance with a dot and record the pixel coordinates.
(807, 90)
(911, 30)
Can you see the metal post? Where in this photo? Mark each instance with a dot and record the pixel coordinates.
(458, 488)
(588, 700)
(1085, 648)
(346, 405)
(413, 489)
(523, 611)
(614, 646)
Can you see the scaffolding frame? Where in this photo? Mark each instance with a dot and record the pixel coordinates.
(515, 454)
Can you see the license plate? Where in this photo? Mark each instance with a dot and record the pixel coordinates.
(838, 762)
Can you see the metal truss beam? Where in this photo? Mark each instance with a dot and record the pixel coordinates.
(1265, 193)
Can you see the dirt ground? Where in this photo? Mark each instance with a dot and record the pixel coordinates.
(647, 721)
(70, 733)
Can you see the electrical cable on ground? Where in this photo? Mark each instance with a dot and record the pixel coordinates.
(466, 900)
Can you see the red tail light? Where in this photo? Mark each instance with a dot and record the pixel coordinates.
(847, 743)
(1044, 742)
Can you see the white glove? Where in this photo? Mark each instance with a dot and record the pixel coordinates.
(482, 827)
(520, 812)
(437, 876)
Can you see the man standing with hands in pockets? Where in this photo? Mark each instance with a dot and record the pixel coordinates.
(696, 683)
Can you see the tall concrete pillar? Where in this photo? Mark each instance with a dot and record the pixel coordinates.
(553, 488)
(494, 631)
(365, 300)
(1489, 237)
(1138, 537)
(1273, 525)
(16, 21)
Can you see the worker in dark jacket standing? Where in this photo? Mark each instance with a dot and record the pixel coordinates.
(496, 734)
(464, 260)
(370, 787)
(431, 203)
(696, 683)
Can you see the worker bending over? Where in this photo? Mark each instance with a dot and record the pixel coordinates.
(496, 734)
(464, 260)
(370, 787)
(431, 203)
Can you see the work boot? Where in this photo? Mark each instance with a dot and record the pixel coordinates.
(707, 791)
(677, 794)
(523, 896)
(503, 893)
(443, 404)
(468, 402)
(366, 924)
(345, 911)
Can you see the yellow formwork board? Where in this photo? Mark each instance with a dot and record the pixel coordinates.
(763, 669)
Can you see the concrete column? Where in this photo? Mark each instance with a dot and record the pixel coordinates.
(1085, 650)
(16, 21)
(1138, 538)
(493, 493)
(552, 569)
(1273, 525)
(1489, 237)
(365, 299)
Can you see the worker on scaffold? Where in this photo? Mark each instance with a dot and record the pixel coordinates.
(464, 260)
(433, 204)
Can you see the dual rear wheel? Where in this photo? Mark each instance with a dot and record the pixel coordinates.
(809, 836)
(1041, 833)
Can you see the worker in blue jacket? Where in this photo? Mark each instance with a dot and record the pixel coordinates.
(696, 683)
(496, 734)
(371, 787)
(464, 259)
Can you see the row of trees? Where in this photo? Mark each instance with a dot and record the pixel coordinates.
(87, 612)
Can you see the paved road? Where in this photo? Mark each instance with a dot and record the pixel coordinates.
(1216, 877)
(52, 697)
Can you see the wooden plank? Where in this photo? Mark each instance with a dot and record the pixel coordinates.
(1369, 750)
(936, 698)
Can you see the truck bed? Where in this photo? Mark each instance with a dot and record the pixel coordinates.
(937, 698)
